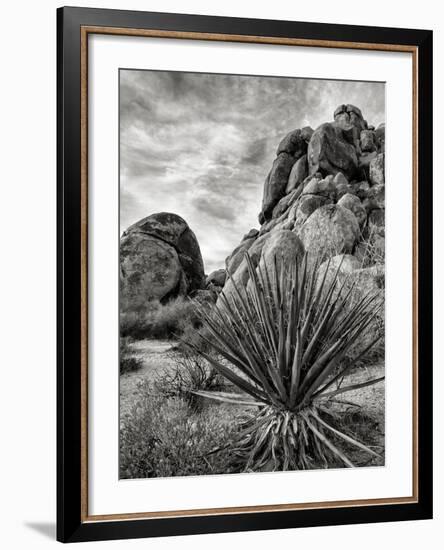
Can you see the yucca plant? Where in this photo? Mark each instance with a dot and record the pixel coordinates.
(282, 341)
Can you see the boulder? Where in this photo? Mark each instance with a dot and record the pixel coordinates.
(367, 141)
(353, 203)
(216, 278)
(285, 246)
(298, 174)
(380, 137)
(311, 185)
(306, 133)
(275, 184)
(233, 261)
(330, 230)
(376, 170)
(329, 152)
(294, 144)
(240, 273)
(285, 203)
(340, 179)
(304, 208)
(269, 225)
(346, 115)
(327, 188)
(252, 234)
(159, 259)
(341, 185)
(149, 269)
(369, 279)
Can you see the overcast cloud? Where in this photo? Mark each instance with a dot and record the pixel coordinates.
(200, 145)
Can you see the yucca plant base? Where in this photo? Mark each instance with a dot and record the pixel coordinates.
(287, 342)
(270, 441)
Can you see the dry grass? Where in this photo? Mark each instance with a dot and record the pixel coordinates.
(371, 251)
(152, 319)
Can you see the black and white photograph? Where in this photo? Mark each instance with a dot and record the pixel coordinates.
(251, 274)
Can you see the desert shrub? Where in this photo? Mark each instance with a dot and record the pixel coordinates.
(191, 373)
(155, 320)
(285, 337)
(128, 361)
(161, 439)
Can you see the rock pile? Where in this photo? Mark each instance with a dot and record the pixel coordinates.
(325, 193)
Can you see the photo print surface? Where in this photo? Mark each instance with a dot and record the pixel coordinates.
(252, 266)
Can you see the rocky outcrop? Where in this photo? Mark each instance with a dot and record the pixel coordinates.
(282, 179)
(325, 194)
(159, 259)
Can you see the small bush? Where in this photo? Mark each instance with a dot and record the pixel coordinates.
(155, 320)
(191, 373)
(161, 439)
(128, 362)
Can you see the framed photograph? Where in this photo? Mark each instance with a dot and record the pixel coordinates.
(244, 274)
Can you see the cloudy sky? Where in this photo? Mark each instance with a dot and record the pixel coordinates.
(201, 145)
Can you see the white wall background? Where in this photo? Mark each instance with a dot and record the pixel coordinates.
(27, 288)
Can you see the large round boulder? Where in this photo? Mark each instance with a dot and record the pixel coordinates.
(330, 230)
(160, 259)
(149, 269)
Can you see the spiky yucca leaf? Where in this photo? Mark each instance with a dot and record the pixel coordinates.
(285, 337)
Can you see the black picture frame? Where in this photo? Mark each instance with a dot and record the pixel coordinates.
(71, 524)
